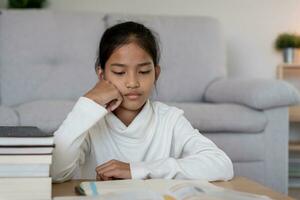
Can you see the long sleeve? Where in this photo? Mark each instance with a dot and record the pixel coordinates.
(199, 158)
(71, 143)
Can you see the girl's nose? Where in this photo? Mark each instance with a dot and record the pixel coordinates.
(132, 82)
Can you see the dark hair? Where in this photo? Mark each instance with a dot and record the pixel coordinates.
(125, 33)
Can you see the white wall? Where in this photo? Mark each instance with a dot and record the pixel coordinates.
(250, 26)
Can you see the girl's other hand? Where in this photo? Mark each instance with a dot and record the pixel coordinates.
(105, 94)
(113, 170)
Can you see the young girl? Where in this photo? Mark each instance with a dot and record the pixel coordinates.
(115, 132)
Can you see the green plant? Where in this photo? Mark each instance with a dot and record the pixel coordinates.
(298, 42)
(287, 40)
(26, 3)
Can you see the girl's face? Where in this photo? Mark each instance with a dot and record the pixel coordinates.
(132, 71)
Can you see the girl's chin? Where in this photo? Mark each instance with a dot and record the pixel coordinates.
(132, 105)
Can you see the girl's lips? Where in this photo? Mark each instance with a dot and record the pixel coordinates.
(133, 96)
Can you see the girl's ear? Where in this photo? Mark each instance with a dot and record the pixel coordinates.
(157, 72)
(100, 73)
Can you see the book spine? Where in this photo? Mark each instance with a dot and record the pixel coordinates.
(14, 171)
(25, 188)
(26, 146)
(25, 159)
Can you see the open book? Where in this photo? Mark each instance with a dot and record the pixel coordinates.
(160, 189)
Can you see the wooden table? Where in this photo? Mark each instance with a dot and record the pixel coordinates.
(238, 183)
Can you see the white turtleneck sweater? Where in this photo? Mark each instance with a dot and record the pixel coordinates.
(158, 143)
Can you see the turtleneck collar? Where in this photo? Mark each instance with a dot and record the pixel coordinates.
(136, 129)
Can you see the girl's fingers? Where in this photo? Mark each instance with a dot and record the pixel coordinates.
(105, 169)
(104, 178)
(118, 99)
(105, 165)
(113, 173)
(116, 174)
(101, 177)
(98, 177)
(117, 103)
(109, 178)
(113, 169)
(110, 105)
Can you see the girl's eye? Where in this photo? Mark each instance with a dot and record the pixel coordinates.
(119, 73)
(145, 72)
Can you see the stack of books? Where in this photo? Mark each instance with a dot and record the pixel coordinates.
(25, 159)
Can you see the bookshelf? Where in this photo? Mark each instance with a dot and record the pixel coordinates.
(290, 72)
(286, 71)
(294, 146)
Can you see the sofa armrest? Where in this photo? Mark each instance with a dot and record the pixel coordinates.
(254, 93)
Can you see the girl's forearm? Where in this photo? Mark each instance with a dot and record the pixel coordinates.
(70, 137)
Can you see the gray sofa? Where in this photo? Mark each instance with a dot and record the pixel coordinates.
(47, 62)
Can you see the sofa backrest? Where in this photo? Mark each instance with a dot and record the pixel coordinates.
(192, 54)
(47, 54)
(51, 54)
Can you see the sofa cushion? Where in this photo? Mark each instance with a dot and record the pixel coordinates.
(43, 52)
(191, 47)
(209, 117)
(8, 117)
(240, 147)
(46, 115)
(256, 93)
(21, 84)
